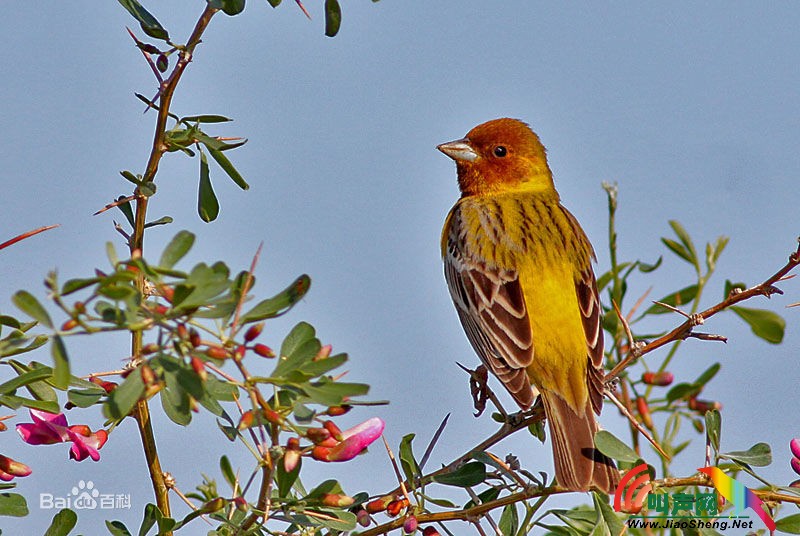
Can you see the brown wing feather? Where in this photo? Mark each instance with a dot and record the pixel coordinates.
(591, 315)
(492, 310)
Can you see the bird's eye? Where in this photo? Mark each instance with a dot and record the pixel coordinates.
(500, 151)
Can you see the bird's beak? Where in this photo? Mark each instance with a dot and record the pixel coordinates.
(459, 150)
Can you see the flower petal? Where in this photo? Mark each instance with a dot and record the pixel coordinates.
(356, 439)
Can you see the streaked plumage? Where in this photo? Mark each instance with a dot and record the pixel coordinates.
(518, 266)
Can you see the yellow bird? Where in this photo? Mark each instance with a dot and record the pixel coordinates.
(519, 269)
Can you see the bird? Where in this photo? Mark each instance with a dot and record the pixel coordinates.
(519, 270)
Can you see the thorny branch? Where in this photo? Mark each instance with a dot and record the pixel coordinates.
(684, 331)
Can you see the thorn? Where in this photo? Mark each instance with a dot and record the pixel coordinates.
(303, 8)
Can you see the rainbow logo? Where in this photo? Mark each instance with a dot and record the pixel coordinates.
(632, 504)
(742, 497)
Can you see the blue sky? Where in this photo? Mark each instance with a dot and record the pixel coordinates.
(692, 109)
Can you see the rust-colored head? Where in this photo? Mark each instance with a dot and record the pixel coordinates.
(501, 155)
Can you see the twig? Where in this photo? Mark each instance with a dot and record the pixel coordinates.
(611, 396)
(247, 284)
(118, 202)
(23, 236)
(684, 330)
(166, 91)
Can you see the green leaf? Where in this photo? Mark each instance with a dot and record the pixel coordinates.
(207, 203)
(148, 22)
(117, 528)
(126, 210)
(612, 447)
(647, 268)
(23, 379)
(509, 520)
(607, 515)
(676, 299)
(286, 480)
(789, 524)
(681, 391)
(707, 375)
(177, 248)
(226, 165)
(227, 472)
(765, 324)
(122, 399)
(759, 455)
(61, 375)
(686, 241)
(678, 250)
(74, 285)
(205, 118)
(333, 17)
(130, 177)
(84, 398)
(13, 504)
(10, 321)
(229, 7)
(63, 523)
(28, 304)
(468, 475)
(299, 346)
(149, 519)
(274, 3)
(330, 393)
(713, 428)
(407, 460)
(163, 220)
(280, 303)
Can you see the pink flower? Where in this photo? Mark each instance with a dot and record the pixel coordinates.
(10, 468)
(356, 439)
(48, 428)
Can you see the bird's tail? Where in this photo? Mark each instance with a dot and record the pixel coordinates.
(579, 465)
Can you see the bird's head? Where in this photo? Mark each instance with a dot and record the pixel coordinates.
(501, 155)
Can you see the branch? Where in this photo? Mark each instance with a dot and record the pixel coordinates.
(136, 243)
(684, 331)
(532, 492)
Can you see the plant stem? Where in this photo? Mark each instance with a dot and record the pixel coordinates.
(136, 245)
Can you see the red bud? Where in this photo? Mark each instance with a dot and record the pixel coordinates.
(430, 531)
(395, 507)
(107, 386)
(661, 379)
(69, 325)
(379, 505)
(410, 525)
(362, 516)
(150, 348)
(241, 504)
(148, 376)
(263, 350)
(199, 367)
(247, 420)
(79, 307)
(217, 352)
(239, 352)
(644, 412)
(183, 333)
(253, 332)
(166, 292)
(333, 429)
(317, 435)
(702, 406)
(335, 411)
(320, 453)
(272, 416)
(162, 309)
(335, 499)
(324, 353)
(194, 338)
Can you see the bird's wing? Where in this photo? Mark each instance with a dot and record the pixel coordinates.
(591, 316)
(492, 309)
